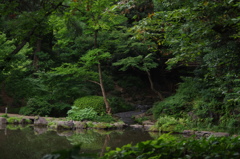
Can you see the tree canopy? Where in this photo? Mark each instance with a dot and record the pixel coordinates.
(136, 50)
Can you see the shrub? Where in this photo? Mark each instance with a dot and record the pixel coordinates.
(79, 114)
(141, 119)
(12, 120)
(25, 110)
(4, 115)
(178, 103)
(36, 106)
(169, 147)
(168, 123)
(105, 118)
(95, 102)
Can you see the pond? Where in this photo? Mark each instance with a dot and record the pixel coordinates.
(18, 142)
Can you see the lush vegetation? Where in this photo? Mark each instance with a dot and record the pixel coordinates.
(183, 57)
(168, 146)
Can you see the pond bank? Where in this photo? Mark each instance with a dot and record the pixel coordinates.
(64, 124)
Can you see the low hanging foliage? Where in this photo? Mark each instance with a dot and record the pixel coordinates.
(167, 146)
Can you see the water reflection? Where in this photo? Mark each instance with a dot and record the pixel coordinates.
(19, 142)
(73, 153)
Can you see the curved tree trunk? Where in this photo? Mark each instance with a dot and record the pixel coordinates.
(152, 86)
(108, 108)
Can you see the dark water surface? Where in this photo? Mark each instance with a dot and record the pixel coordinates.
(38, 143)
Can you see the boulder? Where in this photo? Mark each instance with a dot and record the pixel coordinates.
(148, 122)
(101, 125)
(119, 125)
(189, 132)
(40, 121)
(3, 120)
(203, 133)
(80, 125)
(65, 125)
(220, 134)
(25, 121)
(136, 126)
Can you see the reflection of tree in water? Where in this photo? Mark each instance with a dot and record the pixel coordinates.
(73, 153)
(88, 139)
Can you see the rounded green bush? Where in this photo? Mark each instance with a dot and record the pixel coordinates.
(95, 102)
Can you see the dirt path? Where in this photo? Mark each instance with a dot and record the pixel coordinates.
(18, 115)
(126, 117)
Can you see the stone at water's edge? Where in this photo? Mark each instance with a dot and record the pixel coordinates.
(119, 125)
(189, 132)
(205, 133)
(40, 121)
(127, 117)
(208, 133)
(148, 122)
(65, 125)
(80, 125)
(24, 121)
(147, 127)
(136, 126)
(3, 120)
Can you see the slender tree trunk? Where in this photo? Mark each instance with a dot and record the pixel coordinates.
(108, 108)
(152, 86)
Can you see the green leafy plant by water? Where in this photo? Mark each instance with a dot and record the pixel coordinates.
(17, 120)
(5, 115)
(79, 114)
(95, 102)
(167, 146)
(169, 124)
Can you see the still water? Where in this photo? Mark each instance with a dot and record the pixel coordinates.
(39, 143)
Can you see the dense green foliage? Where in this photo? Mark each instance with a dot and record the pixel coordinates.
(171, 147)
(129, 52)
(36, 106)
(95, 102)
(169, 124)
(78, 114)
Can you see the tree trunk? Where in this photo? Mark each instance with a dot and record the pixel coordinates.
(108, 108)
(152, 86)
